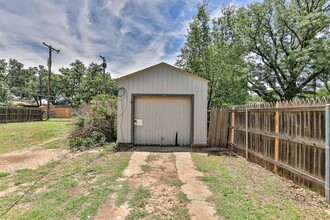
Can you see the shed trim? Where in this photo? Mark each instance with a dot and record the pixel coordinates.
(160, 65)
(133, 95)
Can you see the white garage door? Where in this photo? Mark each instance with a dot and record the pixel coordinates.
(162, 120)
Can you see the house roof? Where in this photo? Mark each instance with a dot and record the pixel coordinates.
(25, 104)
(161, 65)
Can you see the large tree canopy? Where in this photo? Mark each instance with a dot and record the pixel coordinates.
(288, 44)
(278, 49)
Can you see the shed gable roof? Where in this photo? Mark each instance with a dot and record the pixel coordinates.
(176, 69)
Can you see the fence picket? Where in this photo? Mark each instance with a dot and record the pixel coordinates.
(9, 115)
(286, 137)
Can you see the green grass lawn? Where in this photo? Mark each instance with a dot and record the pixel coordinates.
(73, 189)
(242, 190)
(15, 136)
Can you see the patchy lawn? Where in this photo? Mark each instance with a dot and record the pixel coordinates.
(72, 188)
(244, 190)
(155, 193)
(46, 134)
(85, 185)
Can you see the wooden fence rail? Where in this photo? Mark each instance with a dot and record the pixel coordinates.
(9, 115)
(287, 138)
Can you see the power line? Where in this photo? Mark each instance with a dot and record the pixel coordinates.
(49, 74)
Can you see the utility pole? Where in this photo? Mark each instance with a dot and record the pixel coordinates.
(49, 74)
(104, 65)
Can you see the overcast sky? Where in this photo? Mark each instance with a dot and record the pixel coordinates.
(131, 34)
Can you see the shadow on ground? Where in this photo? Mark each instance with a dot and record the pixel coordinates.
(214, 151)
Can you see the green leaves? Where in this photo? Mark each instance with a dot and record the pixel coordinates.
(276, 48)
(79, 84)
(74, 86)
(217, 55)
(284, 37)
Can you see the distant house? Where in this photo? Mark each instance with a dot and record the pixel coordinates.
(25, 104)
(162, 105)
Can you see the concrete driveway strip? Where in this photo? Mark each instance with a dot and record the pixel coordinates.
(195, 190)
(134, 166)
(109, 211)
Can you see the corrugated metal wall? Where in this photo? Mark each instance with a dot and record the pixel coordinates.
(163, 120)
(163, 79)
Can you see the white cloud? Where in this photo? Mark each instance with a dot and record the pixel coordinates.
(131, 34)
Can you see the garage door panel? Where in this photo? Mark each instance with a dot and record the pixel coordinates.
(162, 118)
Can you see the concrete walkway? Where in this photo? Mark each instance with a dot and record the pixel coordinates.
(183, 167)
(197, 192)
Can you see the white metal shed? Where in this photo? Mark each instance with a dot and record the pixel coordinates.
(162, 105)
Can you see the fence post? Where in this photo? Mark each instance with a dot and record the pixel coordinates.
(327, 153)
(6, 120)
(277, 143)
(232, 127)
(247, 133)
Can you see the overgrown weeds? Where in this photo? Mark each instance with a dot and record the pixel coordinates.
(96, 124)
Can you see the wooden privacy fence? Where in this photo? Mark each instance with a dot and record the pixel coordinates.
(58, 112)
(218, 128)
(9, 115)
(287, 138)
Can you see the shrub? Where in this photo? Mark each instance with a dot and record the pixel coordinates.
(96, 124)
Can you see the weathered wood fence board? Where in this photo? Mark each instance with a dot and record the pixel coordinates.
(58, 112)
(9, 115)
(287, 138)
(218, 128)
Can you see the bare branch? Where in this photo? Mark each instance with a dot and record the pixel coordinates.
(311, 77)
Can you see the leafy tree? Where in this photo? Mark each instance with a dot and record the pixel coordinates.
(3, 68)
(74, 86)
(227, 61)
(23, 84)
(20, 81)
(5, 95)
(216, 55)
(93, 84)
(78, 84)
(289, 45)
(282, 48)
(40, 85)
(195, 54)
(70, 83)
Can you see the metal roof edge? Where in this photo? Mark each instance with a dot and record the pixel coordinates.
(159, 65)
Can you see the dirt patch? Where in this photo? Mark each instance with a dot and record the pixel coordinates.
(48, 141)
(196, 190)
(9, 190)
(41, 189)
(110, 211)
(163, 194)
(28, 159)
